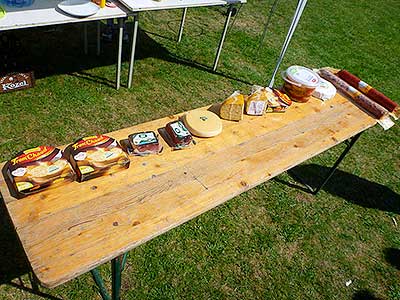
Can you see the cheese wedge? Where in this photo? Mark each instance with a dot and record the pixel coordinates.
(232, 108)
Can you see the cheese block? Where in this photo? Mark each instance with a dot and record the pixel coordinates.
(232, 108)
(203, 123)
(256, 102)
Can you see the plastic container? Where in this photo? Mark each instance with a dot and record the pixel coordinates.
(300, 83)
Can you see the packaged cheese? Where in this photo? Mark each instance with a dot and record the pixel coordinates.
(179, 135)
(97, 155)
(39, 168)
(256, 103)
(232, 108)
(203, 123)
(144, 143)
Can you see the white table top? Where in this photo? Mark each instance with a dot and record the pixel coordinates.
(144, 5)
(45, 12)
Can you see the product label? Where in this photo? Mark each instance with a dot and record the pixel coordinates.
(32, 155)
(16, 81)
(144, 138)
(180, 129)
(256, 108)
(90, 141)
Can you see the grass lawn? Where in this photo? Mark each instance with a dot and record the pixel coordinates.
(272, 242)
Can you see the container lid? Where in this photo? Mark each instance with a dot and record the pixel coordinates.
(203, 123)
(303, 76)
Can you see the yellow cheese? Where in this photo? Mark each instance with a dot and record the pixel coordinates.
(203, 123)
(232, 108)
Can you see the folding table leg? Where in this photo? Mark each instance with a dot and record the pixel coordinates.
(221, 42)
(132, 60)
(119, 58)
(100, 283)
(182, 25)
(350, 143)
(117, 266)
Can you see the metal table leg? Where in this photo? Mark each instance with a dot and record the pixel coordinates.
(221, 42)
(271, 12)
(182, 25)
(117, 266)
(132, 60)
(119, 58)
(350, 143)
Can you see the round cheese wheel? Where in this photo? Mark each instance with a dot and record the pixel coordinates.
(203, 123)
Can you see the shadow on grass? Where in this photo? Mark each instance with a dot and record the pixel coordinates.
(59, 50)
(348, 186)
(392, 256)
(13, 261)
(365, 295)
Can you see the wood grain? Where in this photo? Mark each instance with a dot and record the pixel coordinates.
(70, 230)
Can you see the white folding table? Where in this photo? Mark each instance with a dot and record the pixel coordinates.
(137, 6)
(45, 13)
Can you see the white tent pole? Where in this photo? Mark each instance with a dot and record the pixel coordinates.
(299, 10)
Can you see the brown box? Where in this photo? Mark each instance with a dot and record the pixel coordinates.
(39, 168)
(95, 156)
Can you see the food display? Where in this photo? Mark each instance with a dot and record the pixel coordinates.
(232, 108)
(178, 134)
(370, 92)
(203, 123)
(279, 103)
(362, 100)
(325, 90)
(300, 83)
(256, 103)
(39, 168)
(97, 155)
(144, 143)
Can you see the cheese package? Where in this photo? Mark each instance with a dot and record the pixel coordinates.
(97, 155)
(325, 90)
(203, 123)
(39, 168)
(179, 135)
(232, 108)
(144, 143)
(280, 103)
(256, 103)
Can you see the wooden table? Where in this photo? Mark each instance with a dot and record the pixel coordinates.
(70, 230)
(46, 13)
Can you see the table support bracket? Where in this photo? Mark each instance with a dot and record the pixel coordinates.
(117, 266)
(349, 144)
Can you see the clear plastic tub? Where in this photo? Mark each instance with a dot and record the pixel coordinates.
(300, 83)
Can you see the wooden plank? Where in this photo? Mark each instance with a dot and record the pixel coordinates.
(67, 231)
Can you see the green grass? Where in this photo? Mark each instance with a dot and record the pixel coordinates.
(272, 242)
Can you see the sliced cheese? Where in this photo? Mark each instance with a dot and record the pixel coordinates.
(232, 108)
(203, 123)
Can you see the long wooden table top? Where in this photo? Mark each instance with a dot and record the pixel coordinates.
(68, 231)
